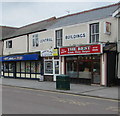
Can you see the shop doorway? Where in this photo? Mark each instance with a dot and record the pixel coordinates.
(56, 69)
(96, 73)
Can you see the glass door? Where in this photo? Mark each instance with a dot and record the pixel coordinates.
(96, 73)
(56, 69)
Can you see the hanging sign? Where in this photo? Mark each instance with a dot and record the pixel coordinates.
(107, 28)
(81, 50)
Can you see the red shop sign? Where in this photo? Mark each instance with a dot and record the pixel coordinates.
(81, 50)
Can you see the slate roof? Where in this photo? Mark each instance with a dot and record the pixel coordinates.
(86, 16)
(81, 17)
(5, 30)
(35, 27)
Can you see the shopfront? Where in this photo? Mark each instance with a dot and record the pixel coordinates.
(22, 66)
(83, 63)
(51, 64)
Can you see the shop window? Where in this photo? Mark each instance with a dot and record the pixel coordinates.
(59, 35)
(35, 40)
(6, 67)
(9, 44)
(48, 67)
(32, 67)
(27, 67)
(72, 69)
(94, 33)
(38, 66)
(22, 66)
(11, 67)
(84, 69)
(18, 66)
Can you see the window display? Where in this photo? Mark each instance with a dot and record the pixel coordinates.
(22, 66)
(18, 66)
(48, 67)
(27, 67)
(32, 67)
(83, 67)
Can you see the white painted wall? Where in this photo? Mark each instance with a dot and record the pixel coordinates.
(74, 30)
(47, 45)
(104, 69)
(19, 45)
(118, 47)
(1, 45)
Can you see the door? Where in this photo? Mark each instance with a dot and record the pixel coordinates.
(96, 73)
(56, 69)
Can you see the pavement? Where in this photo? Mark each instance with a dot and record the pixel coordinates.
(77, 89)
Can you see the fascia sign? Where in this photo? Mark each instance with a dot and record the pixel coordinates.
(75, 36)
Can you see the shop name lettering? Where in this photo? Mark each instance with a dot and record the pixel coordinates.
(75, 36)
(13, 58)
(46, 40)
(87, 48)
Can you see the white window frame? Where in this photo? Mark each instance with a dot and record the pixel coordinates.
(35, 40)
(59, 37)
(93, 33)
(8, 44)
(53, 62)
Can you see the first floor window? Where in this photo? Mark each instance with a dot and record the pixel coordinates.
(9, 44)
(94, 33)
(59, 35)
(35, 40)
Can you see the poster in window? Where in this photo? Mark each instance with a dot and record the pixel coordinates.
(107, 28)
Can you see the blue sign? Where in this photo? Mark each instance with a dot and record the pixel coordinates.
(20, 57)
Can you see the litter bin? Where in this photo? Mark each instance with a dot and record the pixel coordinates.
(63, 82)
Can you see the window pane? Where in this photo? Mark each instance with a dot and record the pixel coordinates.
(84, 69)
(33, 42)
(6, 67)
(97, 28)
(38, 66)
(32, 67)
(49, 67)
(37, 42)
(72, 69)
(10, 44)
(97, 38)
(93, 38)
(28, 67)
(22, 66)
(92, 29)
(18, 66)
(11, 66)
(56, 67)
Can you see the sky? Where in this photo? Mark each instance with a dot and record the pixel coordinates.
(16, 14)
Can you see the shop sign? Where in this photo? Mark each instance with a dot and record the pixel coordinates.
(75, 36)
(53, 52)
(81, 50)
(21, 57)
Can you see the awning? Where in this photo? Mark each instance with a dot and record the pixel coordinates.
(110, 47)
(20, 57)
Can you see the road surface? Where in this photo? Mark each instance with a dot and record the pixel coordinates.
(17, 100)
